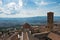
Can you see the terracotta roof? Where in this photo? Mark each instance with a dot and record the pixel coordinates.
(54, 36)
(26, 25)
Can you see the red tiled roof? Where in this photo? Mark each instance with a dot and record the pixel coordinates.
(54, 36)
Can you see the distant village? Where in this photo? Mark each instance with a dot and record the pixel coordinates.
(51, 31)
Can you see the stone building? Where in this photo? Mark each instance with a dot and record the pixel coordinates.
(50, 20)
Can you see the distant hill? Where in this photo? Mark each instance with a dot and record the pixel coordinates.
(7, 22)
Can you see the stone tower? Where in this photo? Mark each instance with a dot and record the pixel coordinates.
(50, 20)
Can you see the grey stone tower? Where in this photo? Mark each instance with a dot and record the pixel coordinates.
(50, 20)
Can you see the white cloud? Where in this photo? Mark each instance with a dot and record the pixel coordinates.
(14, 6)
(30, 13)
(44, 3)
(11, 5)
(7, 12)
(23, 13)
(3, 11)
(0, 2)
(20, 3)
(1, 8)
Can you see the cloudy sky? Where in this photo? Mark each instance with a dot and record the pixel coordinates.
(28, 8)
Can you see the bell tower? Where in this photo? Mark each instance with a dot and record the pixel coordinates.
(50, 20)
